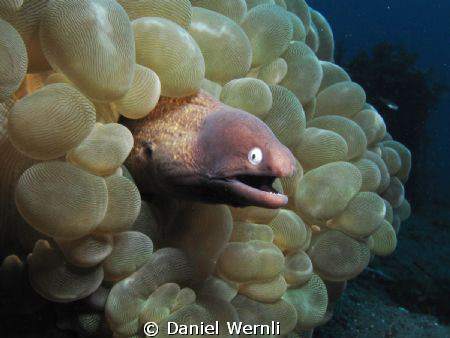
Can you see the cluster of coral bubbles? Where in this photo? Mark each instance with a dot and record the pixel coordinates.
(69, 70)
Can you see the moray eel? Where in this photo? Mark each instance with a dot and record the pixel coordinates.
(197, 148)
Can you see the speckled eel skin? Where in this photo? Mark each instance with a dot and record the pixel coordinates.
(197, 148)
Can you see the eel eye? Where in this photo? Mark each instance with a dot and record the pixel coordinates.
(255, 156)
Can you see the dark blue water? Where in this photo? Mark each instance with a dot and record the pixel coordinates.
(419, 25)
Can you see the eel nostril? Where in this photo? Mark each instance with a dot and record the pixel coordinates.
(148, 148)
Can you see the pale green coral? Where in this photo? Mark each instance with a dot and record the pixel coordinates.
(248, 94)
(171, 52)
(99, 56)
(254, 265)
(14, 60)
(304, 71)
(269, 29)
(224, 45)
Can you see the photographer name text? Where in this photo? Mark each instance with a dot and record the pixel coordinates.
(151, 329)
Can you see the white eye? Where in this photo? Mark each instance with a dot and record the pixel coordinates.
(255, 156)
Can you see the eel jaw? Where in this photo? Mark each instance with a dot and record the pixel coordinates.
(256, 190)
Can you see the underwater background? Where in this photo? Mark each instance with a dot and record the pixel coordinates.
(327, 264)
(405, 294)
(423, 28)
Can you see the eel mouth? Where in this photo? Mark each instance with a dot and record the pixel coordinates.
(254, 190)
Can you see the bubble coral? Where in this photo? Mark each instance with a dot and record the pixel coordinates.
(353, 135)
(3, 124)
(25, 17)
(332, 73)
(338, 257)
(384, 240)
(243, 232)
(343, 98)
(253, 214)
(394, 193)
(249, 261)
(404, 210)
(254, 3)
(211, 262)
(310, 302)
(392, 160)
(14, 60)
(252, 312)
(362, 216)
(286, 117)
(298, 27)
(79, 199)
(266, 292)
(248, 94)
(128, 297)
(58, 281)
(130, 251)
(86, 251)
(371, 123)
(234, 9)
(225, 47)
(320, 146)
(171, 52)
(124, 203)
(405, 158)
(298, 268)
(103, 150)
(212, 88)
(273, 72)
(270, 39)
(48, 123)
(178, 11)
(324, 192)
(103, 69)
(312, 37)
(289, 230)
(325, 51)
(301, 9)
(142, 96)
(304, 71)
(384, 174)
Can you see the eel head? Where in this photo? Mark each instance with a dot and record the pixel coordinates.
(228, 156)
(237, 159)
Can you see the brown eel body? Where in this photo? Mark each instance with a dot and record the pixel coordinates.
(197, 148)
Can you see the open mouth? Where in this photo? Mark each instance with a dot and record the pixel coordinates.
(254, 190)
(263, 183)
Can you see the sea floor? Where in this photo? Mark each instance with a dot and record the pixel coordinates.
(404, 295)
